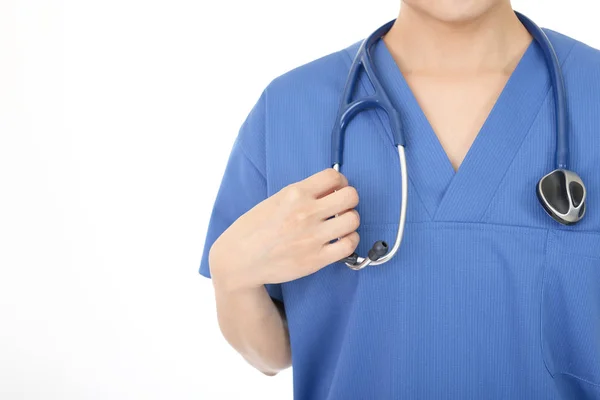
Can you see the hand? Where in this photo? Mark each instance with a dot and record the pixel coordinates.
(288, 235)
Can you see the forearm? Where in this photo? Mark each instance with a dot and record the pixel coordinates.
(283, 238)
(253, 325)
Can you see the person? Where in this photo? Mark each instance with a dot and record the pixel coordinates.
(487, 297)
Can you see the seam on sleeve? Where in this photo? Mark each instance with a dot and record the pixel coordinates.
(250, 160)
(240, 141)
(568, 57)
(264, 132)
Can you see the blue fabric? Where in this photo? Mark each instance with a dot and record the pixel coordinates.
(488, 297)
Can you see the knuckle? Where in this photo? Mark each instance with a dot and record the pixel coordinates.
(352, 195)
(292, 193)
(339, 178)
(334, 176)
(348, 244)
(301, 216)
(354, 219)
(354, 239)
(331, 173)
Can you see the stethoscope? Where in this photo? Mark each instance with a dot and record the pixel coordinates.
(561, 192)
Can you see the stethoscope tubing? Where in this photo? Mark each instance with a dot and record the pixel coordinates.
(362, 262)
(379, 100)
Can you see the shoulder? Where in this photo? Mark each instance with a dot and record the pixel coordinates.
(581, 71)
(578, 58)
(316, 80)
(300, 100)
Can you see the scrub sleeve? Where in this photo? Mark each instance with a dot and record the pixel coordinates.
(244, 184)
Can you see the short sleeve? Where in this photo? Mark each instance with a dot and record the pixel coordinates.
(243, 185)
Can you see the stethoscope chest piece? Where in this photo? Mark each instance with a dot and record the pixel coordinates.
(562, 194)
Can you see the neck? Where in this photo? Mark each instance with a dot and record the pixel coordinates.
(423, 44)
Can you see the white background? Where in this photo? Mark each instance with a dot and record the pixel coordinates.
(116, 119)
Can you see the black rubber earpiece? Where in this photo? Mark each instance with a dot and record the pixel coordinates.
(379, 249)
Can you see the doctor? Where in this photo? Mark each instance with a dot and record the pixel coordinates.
(488, 297)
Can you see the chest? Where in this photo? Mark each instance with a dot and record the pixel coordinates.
(509, 126)
(456, 107)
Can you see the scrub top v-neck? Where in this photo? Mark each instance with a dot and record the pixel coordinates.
(488, 297)
(465, 194)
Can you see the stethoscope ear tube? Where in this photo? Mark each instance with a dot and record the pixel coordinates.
(558, 87)
(348, 109)
(561, 193)
(379, 253)
(376, 255)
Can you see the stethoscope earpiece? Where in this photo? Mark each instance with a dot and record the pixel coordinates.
(379, 249)
(562, 194)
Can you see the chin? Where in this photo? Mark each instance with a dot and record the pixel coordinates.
(454, 11)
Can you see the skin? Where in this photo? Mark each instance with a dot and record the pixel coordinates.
(459, 54)
(456, 56)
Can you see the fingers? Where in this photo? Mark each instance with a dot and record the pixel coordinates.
(323, 183)
(337, 250)
(339, 226)
(338, 202)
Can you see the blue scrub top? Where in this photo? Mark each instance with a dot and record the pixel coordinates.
(488, 297)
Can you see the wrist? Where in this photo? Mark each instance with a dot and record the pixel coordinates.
(227, 275)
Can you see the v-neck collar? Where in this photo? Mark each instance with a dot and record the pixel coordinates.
(465, 194)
